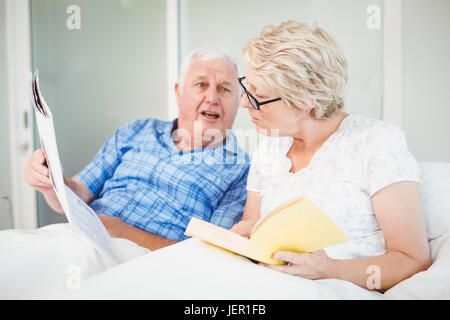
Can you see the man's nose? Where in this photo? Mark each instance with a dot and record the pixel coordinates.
(212, 97)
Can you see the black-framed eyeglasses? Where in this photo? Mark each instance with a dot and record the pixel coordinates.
(255, 103)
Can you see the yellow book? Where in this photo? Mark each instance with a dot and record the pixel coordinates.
(296, 226)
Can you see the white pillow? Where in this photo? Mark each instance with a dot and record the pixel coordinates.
(435, 189)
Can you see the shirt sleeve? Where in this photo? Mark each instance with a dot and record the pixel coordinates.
(231, 206)
(387, 159)
(102, 167)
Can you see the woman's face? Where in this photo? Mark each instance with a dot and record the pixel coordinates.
(274, 118)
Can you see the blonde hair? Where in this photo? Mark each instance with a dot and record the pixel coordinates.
(302, 64)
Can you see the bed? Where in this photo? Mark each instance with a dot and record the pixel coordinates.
(193, 269)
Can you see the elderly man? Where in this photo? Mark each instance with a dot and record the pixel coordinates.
(152, 176)
(145, 183)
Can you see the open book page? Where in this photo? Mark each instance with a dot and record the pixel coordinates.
(277, 210)
(217, 236)
(298, 226)
(78, 213)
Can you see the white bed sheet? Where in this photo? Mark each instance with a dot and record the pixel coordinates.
(432, 284)
(49, 259)
(188, 270)
(195, 270)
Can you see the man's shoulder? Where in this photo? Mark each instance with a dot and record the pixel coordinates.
(144, 126)
(233, 148)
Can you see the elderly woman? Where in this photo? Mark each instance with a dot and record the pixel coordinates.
(358, 170)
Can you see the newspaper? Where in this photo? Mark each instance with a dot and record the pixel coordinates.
(82, 218)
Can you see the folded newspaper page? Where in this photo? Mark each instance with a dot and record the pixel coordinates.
(78, 213)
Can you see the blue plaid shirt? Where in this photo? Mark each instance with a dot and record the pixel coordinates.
(140, 176)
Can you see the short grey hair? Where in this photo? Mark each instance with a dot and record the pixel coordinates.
(204, 54)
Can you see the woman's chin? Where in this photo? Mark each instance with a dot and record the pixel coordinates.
(271, 132)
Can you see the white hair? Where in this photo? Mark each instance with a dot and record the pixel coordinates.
(204, 54)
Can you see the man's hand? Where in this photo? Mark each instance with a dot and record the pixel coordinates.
(36, 173)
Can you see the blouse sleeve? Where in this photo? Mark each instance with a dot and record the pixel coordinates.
(387, 159)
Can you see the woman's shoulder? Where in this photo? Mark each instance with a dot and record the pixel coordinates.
(366, 128)
(356, 120)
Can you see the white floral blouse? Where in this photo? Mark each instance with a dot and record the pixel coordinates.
(363, 156)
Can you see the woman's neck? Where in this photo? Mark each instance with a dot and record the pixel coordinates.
(315, 132)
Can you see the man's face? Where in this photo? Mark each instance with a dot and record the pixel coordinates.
(209, 97)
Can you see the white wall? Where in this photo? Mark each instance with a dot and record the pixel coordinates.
(232, 23)
(81, 70)
(426, 78)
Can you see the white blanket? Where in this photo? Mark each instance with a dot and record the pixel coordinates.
(49, 259)
(433, 283)
(195, 270)
(188, 270)
(49, 262)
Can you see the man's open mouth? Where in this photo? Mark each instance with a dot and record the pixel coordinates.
(210, 115)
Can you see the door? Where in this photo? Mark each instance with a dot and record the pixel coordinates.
(6, 220)
(101, 64)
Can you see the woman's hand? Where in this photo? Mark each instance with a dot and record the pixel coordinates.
(244, 227)
(314, 265)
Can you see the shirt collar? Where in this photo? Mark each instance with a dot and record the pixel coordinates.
(229, 144)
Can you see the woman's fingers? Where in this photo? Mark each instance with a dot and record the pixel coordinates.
(288, 256)
(314, 265)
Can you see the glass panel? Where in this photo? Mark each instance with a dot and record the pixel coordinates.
(232, 23)
(101, 64)
(5, 170)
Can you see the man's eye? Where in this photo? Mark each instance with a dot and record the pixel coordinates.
(226, 89)
(200, 84)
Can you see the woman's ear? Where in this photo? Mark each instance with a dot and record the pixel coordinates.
(311, 103)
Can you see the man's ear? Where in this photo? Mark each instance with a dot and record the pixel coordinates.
(177, 92)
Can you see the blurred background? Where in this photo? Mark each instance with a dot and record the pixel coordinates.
(103, 63)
